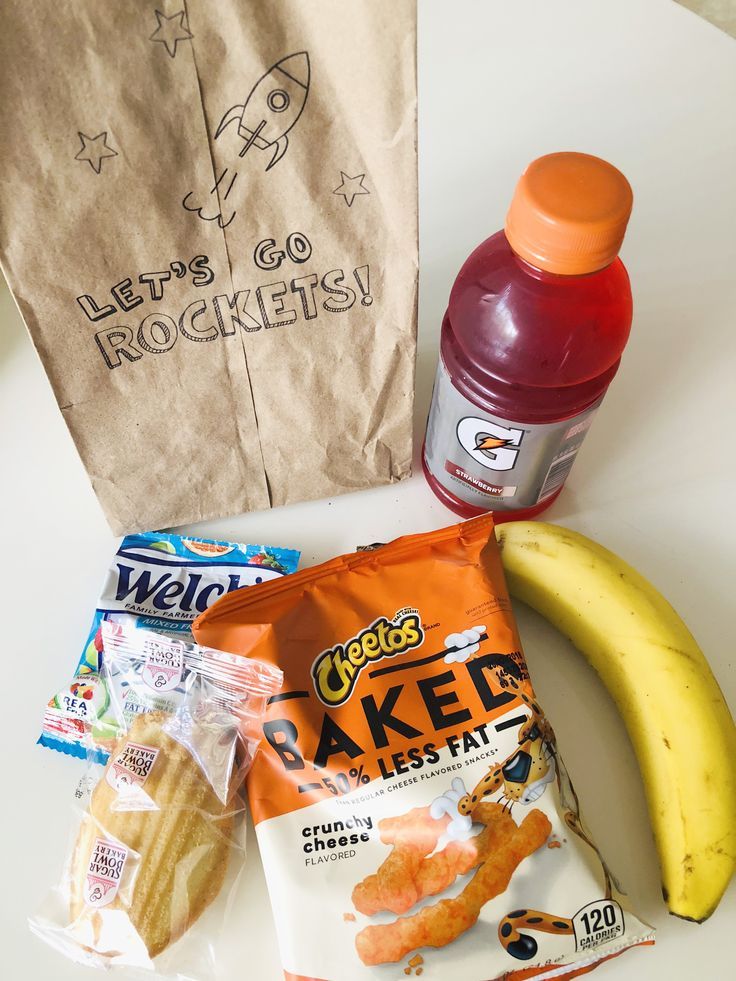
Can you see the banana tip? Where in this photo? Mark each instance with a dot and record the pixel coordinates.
(685, 916)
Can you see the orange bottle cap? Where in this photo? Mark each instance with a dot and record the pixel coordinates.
(569, 213)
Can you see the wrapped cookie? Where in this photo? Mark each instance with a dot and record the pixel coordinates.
(160, 842)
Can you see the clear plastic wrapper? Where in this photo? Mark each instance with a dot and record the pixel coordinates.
(160, 841)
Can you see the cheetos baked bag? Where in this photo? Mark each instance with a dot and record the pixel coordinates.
(409, 779)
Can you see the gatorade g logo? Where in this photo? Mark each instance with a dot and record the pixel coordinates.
(335, 671)
(492, 446)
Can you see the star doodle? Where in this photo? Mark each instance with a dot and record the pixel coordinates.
(171, 30)
(94, 150)
(351, 187)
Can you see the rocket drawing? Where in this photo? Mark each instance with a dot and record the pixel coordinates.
(273, 107)
(263, 121)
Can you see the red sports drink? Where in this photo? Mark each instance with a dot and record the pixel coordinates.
(537, 321)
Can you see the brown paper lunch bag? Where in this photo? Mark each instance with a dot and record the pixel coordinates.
(208, 218)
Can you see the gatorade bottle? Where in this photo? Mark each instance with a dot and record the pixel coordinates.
(537, 321)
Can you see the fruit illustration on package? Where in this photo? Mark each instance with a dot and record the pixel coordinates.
(81, 690)
(680, 726)
(266, 559)
(164, 546)
(85, 698)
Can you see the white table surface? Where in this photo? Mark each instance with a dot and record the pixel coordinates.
(642, 83)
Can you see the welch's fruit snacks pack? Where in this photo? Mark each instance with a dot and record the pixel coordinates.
(155, 582)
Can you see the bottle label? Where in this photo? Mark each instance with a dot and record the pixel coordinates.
(492, 463)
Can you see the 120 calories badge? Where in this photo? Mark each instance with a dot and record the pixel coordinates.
(164, 665)
(598, 923)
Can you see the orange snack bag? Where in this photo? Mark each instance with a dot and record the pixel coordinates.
(407, 772)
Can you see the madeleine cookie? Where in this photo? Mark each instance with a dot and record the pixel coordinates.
(152, 851)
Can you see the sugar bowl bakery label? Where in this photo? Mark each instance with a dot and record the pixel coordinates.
(164, 664)
(131, 766)
(104, 872)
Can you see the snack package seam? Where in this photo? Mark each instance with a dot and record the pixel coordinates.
(591, 962)
(351, 561)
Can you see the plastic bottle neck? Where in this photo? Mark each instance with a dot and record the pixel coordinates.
(536, 272)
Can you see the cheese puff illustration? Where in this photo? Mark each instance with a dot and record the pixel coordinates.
(439, 925)
(407, 875)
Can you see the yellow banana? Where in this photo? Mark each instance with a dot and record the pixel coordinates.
(676, 716)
